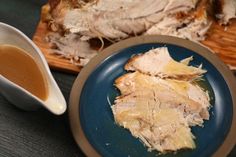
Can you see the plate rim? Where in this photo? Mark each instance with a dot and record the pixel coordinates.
(198, 48)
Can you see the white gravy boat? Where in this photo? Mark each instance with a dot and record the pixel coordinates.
(20, 97)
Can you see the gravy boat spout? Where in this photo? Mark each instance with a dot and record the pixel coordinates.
(55, 102)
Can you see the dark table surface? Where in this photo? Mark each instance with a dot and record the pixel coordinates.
(37, 133)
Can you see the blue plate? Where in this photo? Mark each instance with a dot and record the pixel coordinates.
(93, 94)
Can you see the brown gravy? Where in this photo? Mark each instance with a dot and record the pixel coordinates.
(20, 68)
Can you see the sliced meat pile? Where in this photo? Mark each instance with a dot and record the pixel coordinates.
(160, 101)
(118, 19)
(77, 22)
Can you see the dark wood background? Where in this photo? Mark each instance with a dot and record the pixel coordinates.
(38, 133)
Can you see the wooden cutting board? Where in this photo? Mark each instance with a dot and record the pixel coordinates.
(221, 39)
(55, 61)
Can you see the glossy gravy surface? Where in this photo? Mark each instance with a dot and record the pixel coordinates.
(20, 68)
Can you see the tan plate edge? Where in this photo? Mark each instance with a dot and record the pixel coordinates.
(77, 131)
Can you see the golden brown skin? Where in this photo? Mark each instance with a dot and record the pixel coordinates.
(68, 3)
(53, 13)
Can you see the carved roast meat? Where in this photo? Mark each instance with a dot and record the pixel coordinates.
(77, 22)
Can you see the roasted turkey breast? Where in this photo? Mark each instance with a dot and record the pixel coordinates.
(76, 22)
(157, 105)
